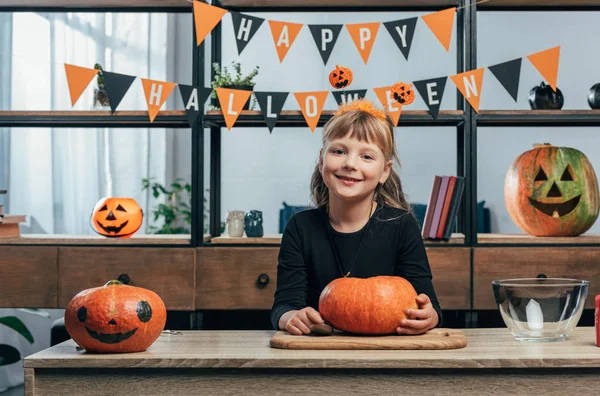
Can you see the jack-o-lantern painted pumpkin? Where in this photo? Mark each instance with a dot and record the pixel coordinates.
(367, 306)
(115, 318)
(340, 77)
(117, 217)
(552, 191)
(403, 93)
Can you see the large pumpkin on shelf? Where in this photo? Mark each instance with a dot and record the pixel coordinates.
(115, 318)
(367, 306)
(117, 217)
(552, 191)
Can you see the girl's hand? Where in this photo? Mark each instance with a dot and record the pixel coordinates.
(419, 320)
(300, 321)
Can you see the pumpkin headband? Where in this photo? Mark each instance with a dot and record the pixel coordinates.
(363, 105)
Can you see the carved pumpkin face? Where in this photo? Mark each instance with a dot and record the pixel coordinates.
(115, 318)
(552, 191)
(340, 77)
(403, 93)
(117, 217)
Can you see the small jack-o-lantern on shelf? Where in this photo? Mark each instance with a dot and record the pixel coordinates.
(117, 217)
(367, 306)
(552, 191)
(115, 318)
(340, 77)
(403, 93)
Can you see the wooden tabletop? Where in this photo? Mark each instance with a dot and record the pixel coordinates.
(487, 348)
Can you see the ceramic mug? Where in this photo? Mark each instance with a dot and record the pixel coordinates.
(235, 223)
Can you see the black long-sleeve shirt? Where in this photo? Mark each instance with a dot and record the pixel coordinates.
(392, 245)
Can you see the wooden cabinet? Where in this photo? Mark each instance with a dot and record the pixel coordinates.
(28, 277)
(167, 271)
(451, 270)
(493, 263)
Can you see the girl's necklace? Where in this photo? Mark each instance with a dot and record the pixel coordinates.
(359, 244)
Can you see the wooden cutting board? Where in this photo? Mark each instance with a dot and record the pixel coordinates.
(434, 339)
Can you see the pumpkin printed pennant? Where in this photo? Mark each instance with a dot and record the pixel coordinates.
(390, 105)
(363, 35)
(469, 84)
(244, 28)
(78, 78)
(232, 102)
(311, 104)
(156, 93)
(284, 35)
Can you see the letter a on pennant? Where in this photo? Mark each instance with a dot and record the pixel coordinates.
(469, 84)
(284, 34)
(363, 35)
(440, 23)
(546, 63)
(156, 93)
(390, 105)
(78, 78)
(311, 104)
(232, 102)
(206, 17)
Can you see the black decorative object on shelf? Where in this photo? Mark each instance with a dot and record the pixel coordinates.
(543, 97)
(253, 224)
(594, 96)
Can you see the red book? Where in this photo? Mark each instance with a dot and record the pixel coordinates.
(437, 180)
(439, 204)
(446, 207)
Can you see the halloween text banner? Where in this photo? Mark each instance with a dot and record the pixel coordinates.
(311, 103)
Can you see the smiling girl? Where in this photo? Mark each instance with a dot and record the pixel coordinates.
(361, 225)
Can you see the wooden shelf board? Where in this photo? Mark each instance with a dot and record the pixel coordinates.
(96, 4)
(336, 3)
(86, 113)
(537, 3)
(540, 112)
(275, 239)
(528, 239)
(57, 239)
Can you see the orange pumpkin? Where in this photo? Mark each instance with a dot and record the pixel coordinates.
(340, 77)
(552, 191)
(115, 318)
(367, 306)
(403, 93)
(117, 217)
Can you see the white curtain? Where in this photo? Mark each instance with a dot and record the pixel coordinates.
(56, 175)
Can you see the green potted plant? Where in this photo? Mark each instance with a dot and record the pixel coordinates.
(100, 94)
(224, 79)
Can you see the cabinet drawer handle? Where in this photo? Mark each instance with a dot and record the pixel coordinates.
(262, 280)
(124, 279)
(541, 276)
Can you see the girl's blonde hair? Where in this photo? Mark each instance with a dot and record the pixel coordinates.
(370, 126)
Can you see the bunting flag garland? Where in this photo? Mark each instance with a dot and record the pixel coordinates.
(325, 37)
(78, 78)
(206, 17)
(441, 24)
(546, 63)
(271, 104)
(469, 84)
(193, 101)
(116, 86)
(232, 102)
(156, 93)
(432, 91)
(508, 74)
(343, 97)
(363, 35)
(311, 104)
(390, 105)
(245, 27)
(284, 35)
(402, 32)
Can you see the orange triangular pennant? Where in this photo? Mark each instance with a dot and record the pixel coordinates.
(284, 34)
(546, 62)
(206, 17)
(469, 84)
(363, 35)
(232, 102)
(390, 105)
(156, 93)
(311, 104)
(78, 78)
(441, 24)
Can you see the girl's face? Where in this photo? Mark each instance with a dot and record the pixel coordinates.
(352, 169)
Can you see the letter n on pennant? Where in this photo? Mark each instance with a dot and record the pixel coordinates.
(469, 84)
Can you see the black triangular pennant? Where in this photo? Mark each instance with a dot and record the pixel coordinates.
(271, 104)
(432, 91)
(325, 37)
(342, 97)
(244, 28)
(508, 74)
(116, 86)
(193, 101)
(402, 31)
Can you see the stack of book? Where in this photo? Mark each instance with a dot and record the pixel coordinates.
(444, 201)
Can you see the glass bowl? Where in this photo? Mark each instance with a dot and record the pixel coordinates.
(540, 309)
